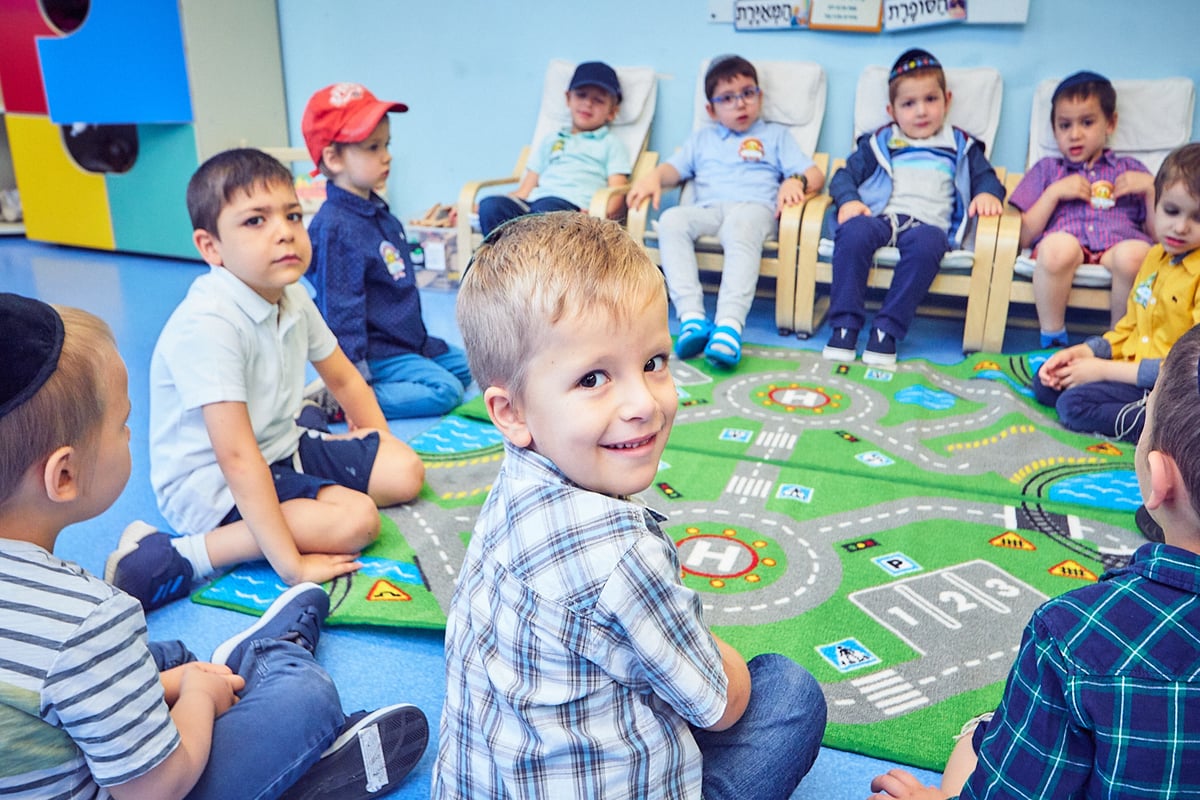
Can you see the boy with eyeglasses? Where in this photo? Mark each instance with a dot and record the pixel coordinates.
(746, 170)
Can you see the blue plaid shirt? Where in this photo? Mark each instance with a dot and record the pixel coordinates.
(575, 658)
(1104, 700)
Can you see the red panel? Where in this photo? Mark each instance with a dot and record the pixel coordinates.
(20, 69)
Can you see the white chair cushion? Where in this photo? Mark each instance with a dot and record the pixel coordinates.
(1088, 276)
(975, 92)
(639, 91)
(953, 261)
(1153, 118)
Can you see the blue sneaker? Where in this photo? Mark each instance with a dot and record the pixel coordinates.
(146, 567)
(295, 616)
(373, 754)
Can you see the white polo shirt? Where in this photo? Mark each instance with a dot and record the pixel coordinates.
(225, 343)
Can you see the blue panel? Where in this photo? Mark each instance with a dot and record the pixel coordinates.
(125, 64)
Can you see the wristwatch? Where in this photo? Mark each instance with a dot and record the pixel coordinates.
(800, 176)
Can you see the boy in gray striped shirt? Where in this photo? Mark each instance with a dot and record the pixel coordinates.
(89, 708)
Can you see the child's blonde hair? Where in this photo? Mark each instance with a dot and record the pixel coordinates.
(68, 409)
(537, 270)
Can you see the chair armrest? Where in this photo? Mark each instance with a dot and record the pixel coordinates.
(600, 200)
(637, 218)
(466, 205)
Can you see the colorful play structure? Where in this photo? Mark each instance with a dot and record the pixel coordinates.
(109, 106)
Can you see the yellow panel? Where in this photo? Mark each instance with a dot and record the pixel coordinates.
(62, 203)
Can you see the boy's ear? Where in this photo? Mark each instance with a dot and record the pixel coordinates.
(331, 158)
(712, 112)
(1165, 480)
(60, 476)
(209, 247)
(505, 415)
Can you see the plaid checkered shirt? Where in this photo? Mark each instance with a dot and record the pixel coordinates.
(575, 658)
(1104, 700)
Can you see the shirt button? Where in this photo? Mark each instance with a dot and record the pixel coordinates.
(1145, 339)
(1091, 228)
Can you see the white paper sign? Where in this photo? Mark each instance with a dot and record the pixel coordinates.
(762, 15)
(919, 13)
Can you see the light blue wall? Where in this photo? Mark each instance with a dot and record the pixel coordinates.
(471, 70)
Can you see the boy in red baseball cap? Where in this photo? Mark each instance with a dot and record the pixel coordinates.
(361, 267)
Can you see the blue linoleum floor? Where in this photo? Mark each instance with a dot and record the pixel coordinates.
(371, 667)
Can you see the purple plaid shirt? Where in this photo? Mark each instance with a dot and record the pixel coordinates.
(1096, 229)
(1104, 699)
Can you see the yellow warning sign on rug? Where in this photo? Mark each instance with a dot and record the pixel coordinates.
(386, 590)
(1073, 569)
(1012, 540)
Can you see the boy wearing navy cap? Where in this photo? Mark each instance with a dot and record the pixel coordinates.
(913, 184)
(87, 703)
(362, 270)
(573, 164)
(1087, 206)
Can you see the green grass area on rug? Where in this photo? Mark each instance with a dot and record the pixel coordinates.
(891, 531)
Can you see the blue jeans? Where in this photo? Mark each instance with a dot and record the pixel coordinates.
(768, 751)
(287, 715)
(742, 229)
(1106, 407)
(921, 249)
(498, 209)
(410, 385)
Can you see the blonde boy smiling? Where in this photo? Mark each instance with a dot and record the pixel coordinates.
(577, 663)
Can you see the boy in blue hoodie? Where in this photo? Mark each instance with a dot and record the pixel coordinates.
(912, 184)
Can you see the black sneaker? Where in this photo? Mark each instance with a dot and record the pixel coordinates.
(1146, 524)
(296, 616)
(146, 567)
(880, 350)
(373, 754)
(842, 345)
(317, 394)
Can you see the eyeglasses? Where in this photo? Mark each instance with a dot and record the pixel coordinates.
(747, 95)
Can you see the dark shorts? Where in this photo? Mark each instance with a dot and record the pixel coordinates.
(319, 462)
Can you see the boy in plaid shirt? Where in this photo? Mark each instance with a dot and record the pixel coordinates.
(1102, 699)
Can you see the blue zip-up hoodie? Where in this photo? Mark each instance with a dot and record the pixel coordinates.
(867, 177)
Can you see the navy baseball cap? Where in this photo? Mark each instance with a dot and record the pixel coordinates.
(596, 73)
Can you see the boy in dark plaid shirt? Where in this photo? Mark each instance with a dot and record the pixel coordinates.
(1104, 700)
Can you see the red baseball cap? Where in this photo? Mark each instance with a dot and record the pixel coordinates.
(343, 112)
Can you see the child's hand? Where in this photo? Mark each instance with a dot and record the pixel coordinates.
(322, 567)
(1133, 183)
(646, 186)
(899, 783)
(851, 209)
(1072, 187)
(985, 205)
(216, 681)
(1051, 371)
(791, 193)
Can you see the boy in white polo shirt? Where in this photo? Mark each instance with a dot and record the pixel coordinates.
(229, 465)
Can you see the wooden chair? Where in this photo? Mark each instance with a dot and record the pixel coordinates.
(793, 95)
(1154, 117)
(975, 107)
(639, 90)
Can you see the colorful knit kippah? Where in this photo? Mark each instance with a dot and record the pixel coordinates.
(911, 60)
(31, 338)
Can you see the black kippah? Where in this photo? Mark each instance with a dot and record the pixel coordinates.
(31, 339)
(1075, 80)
